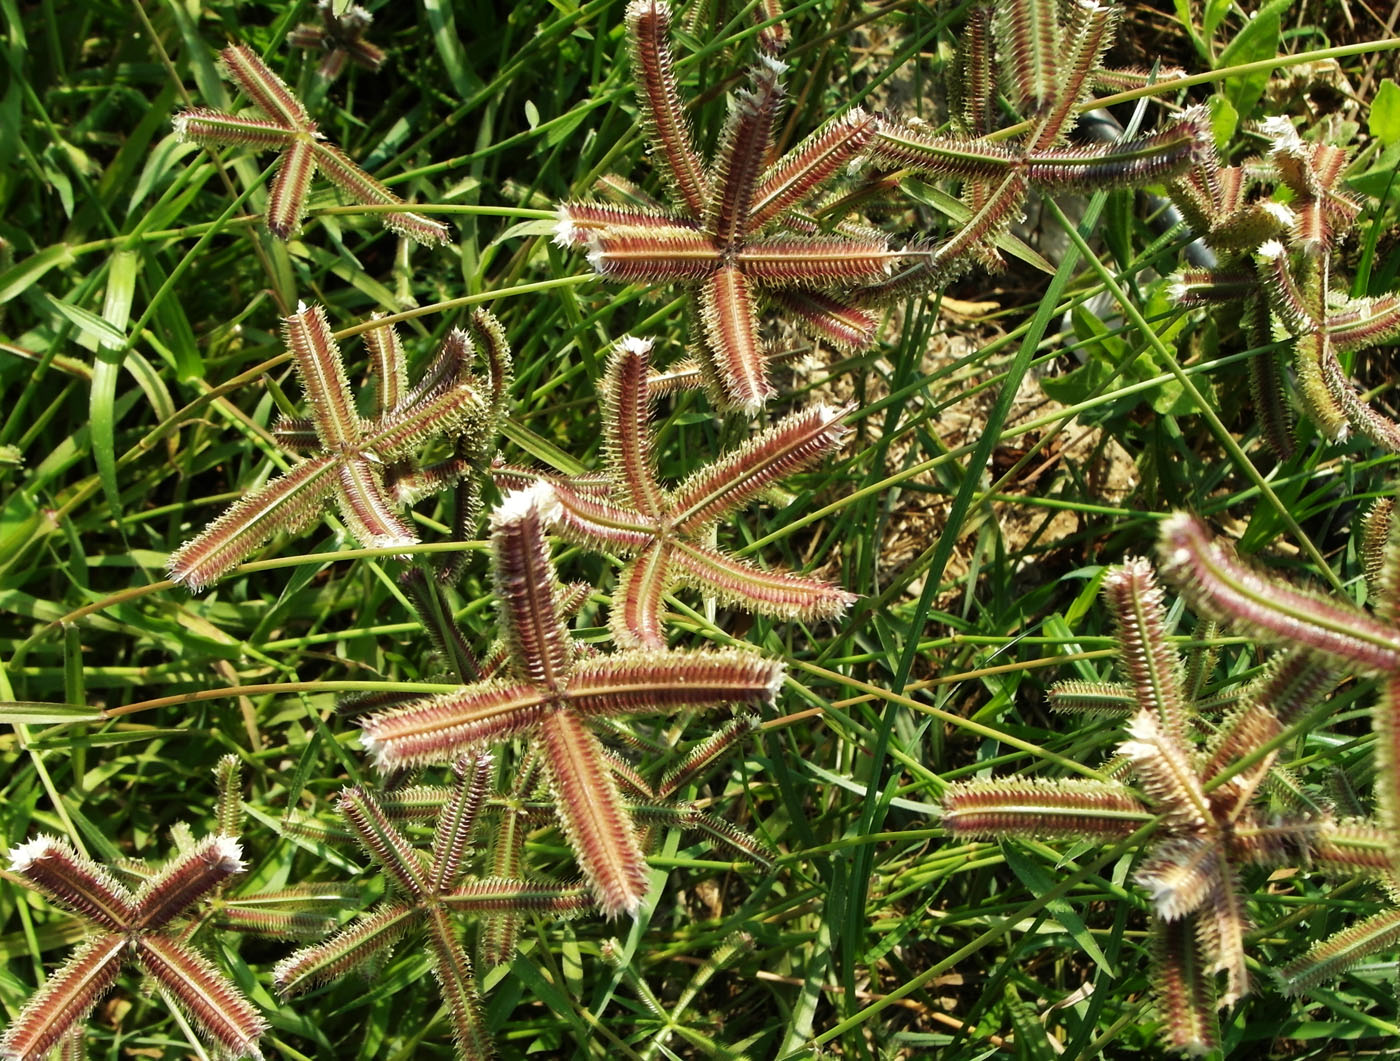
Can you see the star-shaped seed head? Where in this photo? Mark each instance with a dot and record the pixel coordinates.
(341, 37)
(554, 694)
(283, 125)
(1046, 65)
(1276, 259)
(142, 927)
(1200, 796)
(736, 237)
(431, 895)
(665, 535)
(365, 466)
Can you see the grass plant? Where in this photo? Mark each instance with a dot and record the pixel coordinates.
(1029, 383)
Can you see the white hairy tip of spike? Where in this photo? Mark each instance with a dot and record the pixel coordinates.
(566, 233)
(229, 853)
(1277, 126)
(775, 684)
(538, 498)
(595, 258)
(1176, 291)
(24, 855)
(635, 345)
(376, 749)
(301, 307)
(1279, 212)
(1272, 249)
(1174, 526)
(775, 67)
(392, 541)
(181, 124)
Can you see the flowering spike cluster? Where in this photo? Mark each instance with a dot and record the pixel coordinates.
(664, 534)
(1046, 69)
(143, 927)
(428, 894)
(341, 37)
(555, 695)
(1325, 637)
(365, 466)
(285, 126)
(1277, 260)
(1201, 798)
(734, 238)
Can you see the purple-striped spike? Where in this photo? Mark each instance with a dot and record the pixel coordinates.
(556, 694)
(648, 25)
(364, 466)
(285, 126)
(721, 241)
(664, 534)
(1275, 611)
(136, 928)
(429, 895)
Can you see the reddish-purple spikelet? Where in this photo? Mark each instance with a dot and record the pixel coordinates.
(644, 681)
(322, 373)
(186, 880)
(1220, 586)
(268, 92)
(795, 261)
(592, 814)
(59, 872)
(648, 23)
(795, 442)
(1036, 807)
(211, 128)
(286, 201)
(206, 996)
(731, 319)
(437, 729)
(1140, 625)
(653, 255)
(65, 1000)
(810, 165)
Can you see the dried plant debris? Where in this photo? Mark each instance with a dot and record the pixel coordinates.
(283, 125)
(365, 466)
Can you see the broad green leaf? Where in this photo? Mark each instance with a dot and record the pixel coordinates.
(1385, 113)
(1224, 120)
(1259, 39)
(1215, 11)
